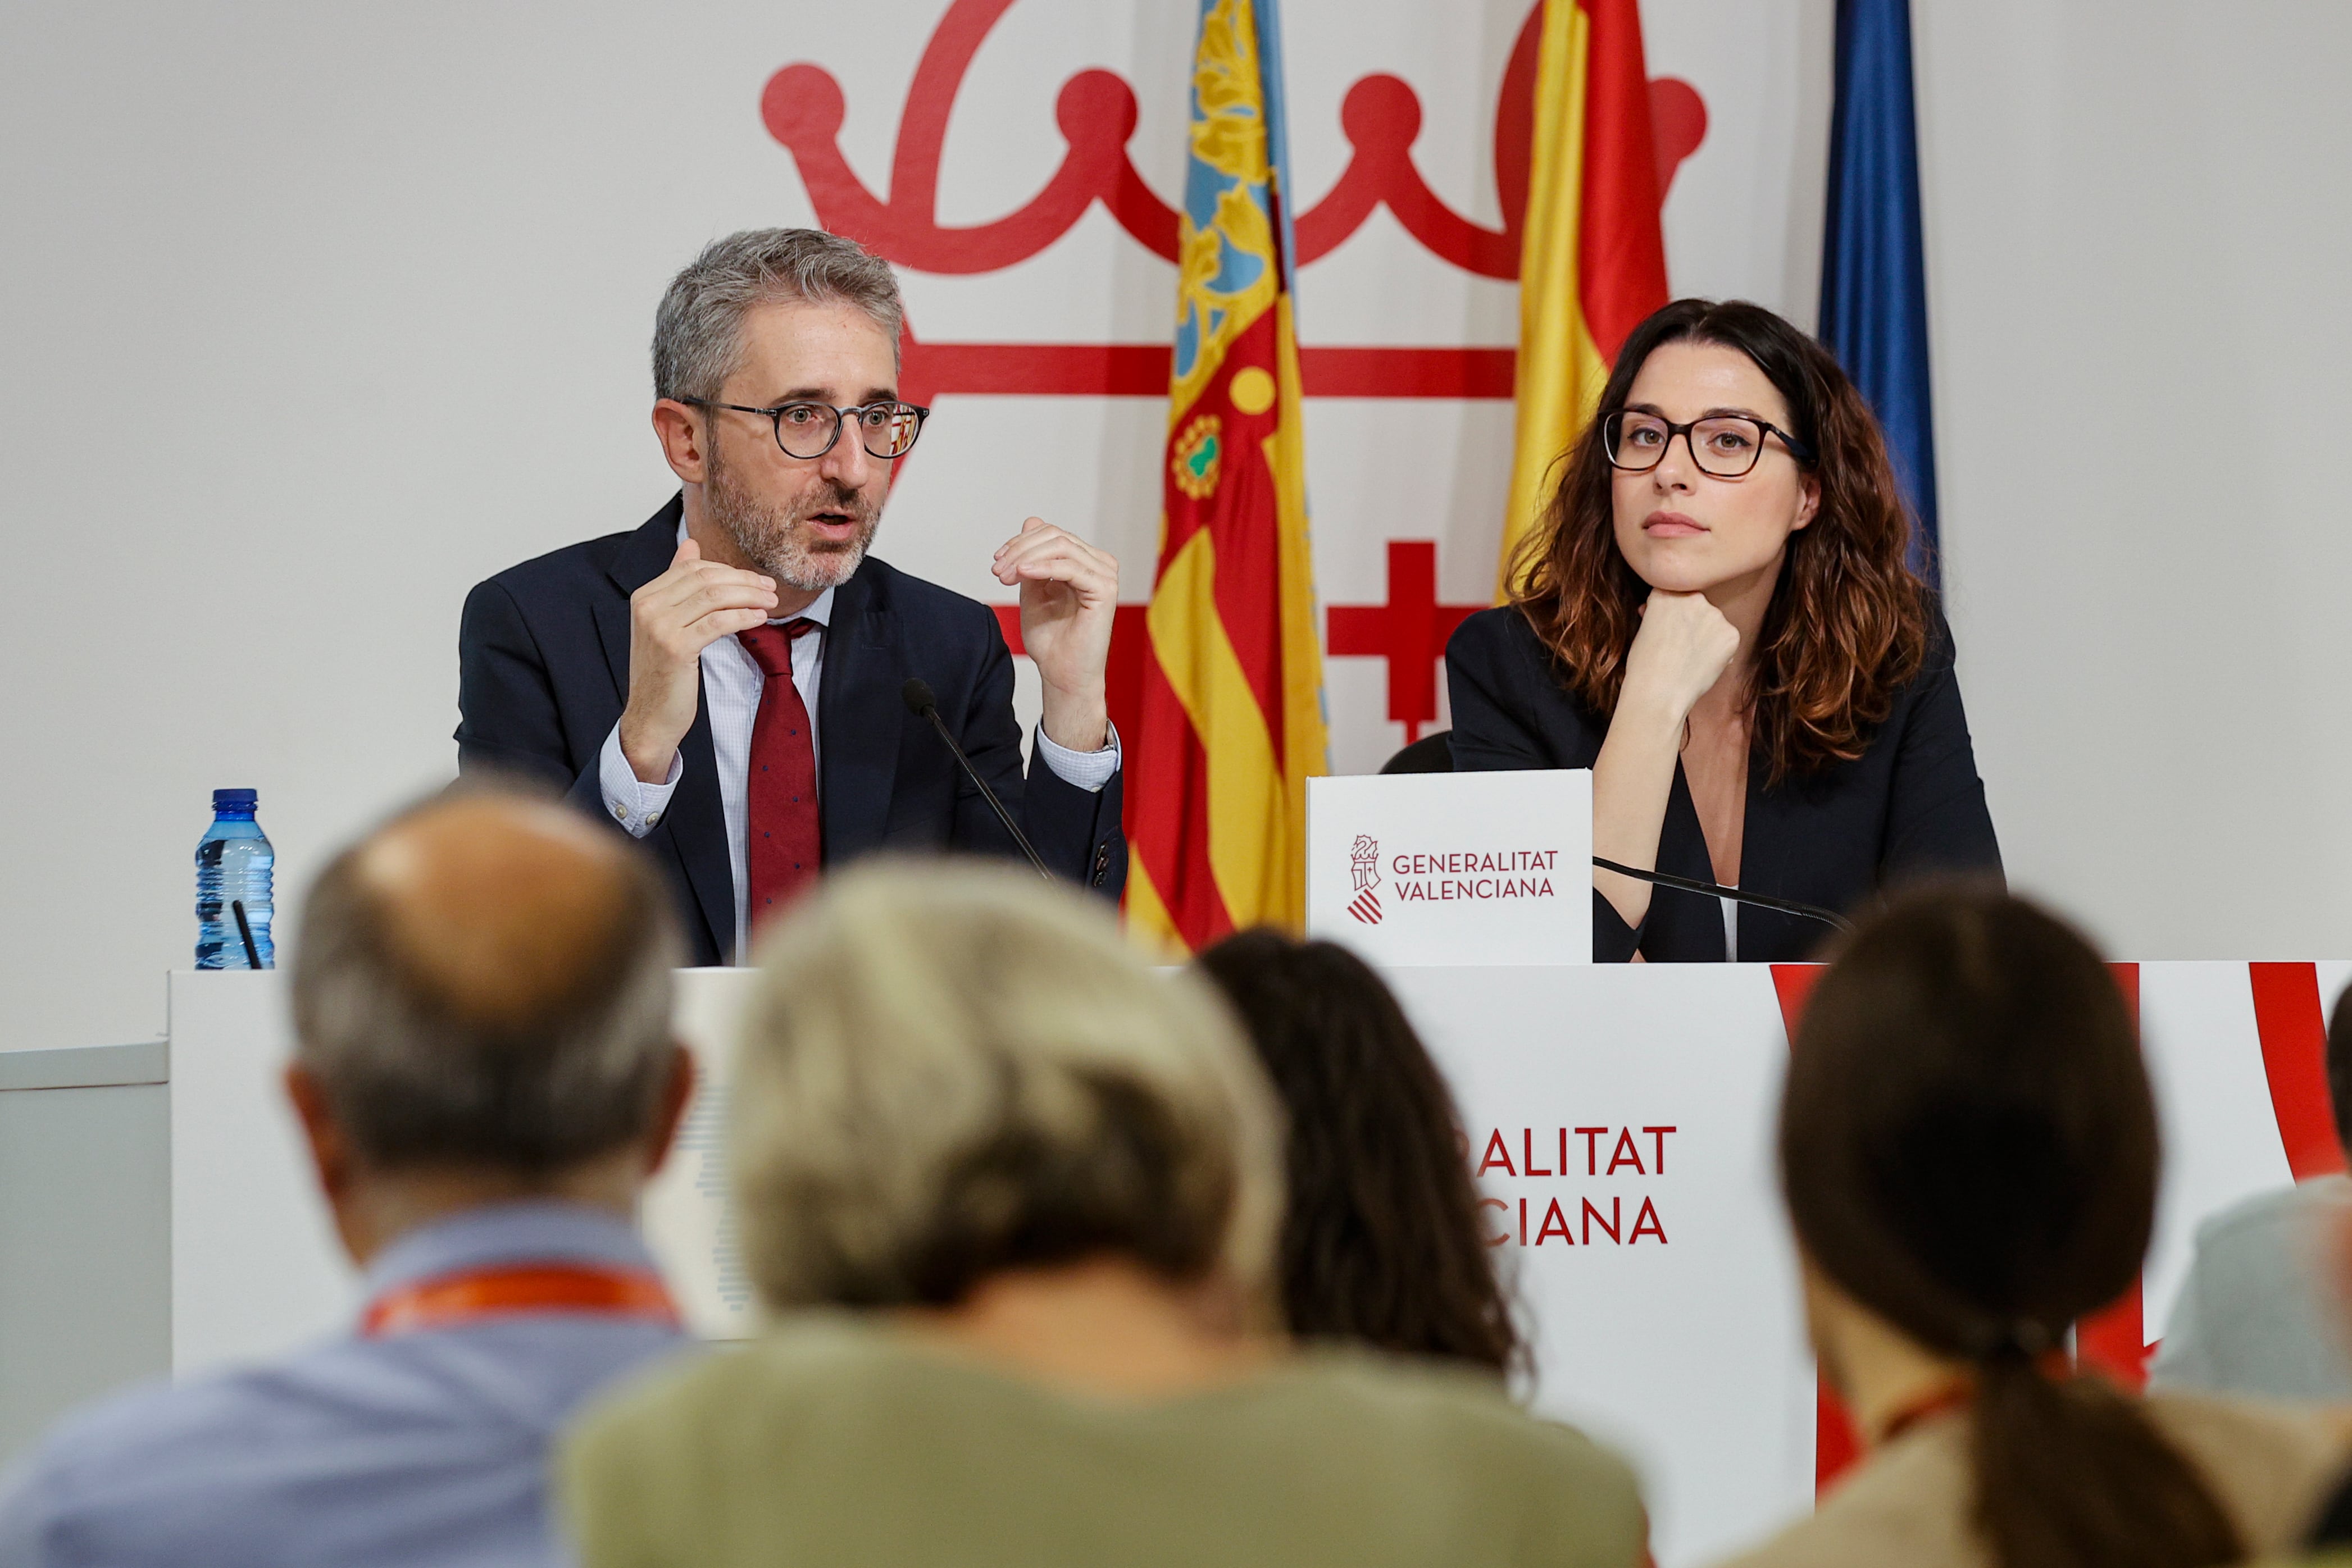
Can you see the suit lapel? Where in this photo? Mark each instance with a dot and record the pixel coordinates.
(859, 716)
(646, 553)
(1767, 864)
(643, 556)
(697, 822)
(1682, 852)
(613, 636)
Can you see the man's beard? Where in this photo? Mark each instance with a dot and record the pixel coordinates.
(771, 538)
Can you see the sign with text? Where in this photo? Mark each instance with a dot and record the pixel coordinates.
(1452, 868)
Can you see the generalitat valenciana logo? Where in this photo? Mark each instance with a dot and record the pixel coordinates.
(1364, 861)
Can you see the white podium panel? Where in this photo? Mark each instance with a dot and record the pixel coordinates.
(256, 1267)
(1452, 868)
(1619, 1120)
(688, 1219)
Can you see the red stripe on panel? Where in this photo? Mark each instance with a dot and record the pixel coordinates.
(2293, 1024)
(1836, 1445)
(2115, 1339)
(1794, 983)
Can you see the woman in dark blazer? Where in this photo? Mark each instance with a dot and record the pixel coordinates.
(1715, 615)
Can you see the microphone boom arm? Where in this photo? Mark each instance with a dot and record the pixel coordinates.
(1830, 918)
(917, 694)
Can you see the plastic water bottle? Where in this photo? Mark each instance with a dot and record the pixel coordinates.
(234, 864)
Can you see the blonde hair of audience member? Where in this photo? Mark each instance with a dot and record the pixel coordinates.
(482, 998)
(1968, 1151)
(962, 1094)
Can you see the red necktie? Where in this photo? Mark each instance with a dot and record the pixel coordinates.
(780, 817)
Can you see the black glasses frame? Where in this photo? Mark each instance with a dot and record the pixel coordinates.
(842, 417)
(1613, 426)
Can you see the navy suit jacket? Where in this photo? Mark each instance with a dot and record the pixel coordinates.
(1911, 806)
(543, 674)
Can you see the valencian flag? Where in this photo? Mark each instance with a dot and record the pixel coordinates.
(1232, 689)
(1591, 261)
(1873, 266)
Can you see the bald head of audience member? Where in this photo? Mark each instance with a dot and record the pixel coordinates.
(481, 994)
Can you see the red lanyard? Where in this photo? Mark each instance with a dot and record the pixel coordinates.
(1959, 1392)
(1953, 1395)
(450, 1300)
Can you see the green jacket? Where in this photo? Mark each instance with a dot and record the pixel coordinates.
(839, 1441)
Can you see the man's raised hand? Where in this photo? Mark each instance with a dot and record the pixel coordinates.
(671, 620)
(1069, 593)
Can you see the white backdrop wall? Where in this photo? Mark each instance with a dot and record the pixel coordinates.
(2136, 254)
(310, 317)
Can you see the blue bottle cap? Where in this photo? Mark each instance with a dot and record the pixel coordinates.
(236, 799)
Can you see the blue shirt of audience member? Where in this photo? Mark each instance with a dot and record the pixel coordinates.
(426, 1447)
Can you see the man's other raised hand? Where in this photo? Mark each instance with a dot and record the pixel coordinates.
(1069, 594)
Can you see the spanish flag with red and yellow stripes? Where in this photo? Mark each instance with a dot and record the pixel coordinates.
(1233, 716)
(1592, 263)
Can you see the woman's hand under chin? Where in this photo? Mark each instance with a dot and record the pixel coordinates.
(1682, 649)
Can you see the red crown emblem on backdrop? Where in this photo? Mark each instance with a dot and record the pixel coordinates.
(803, 107)
(1095, 111)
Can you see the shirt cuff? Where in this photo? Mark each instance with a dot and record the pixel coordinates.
(637, 805)
(1087, 770)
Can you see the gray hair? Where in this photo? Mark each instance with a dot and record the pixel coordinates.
(698, 329)
(419, 1070)
(949, 1070)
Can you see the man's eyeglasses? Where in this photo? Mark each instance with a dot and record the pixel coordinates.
(806, 429)
(1725, 447)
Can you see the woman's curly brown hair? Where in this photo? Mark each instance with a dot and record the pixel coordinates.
(1848, 622)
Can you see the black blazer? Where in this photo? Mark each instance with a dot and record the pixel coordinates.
(543, 672)
(1911, 805)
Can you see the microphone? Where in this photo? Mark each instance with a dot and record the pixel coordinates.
(917, 694)
(1828, 917)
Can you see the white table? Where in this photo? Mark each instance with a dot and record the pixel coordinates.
(85, 1228)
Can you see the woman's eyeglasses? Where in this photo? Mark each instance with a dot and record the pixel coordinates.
(1724, 446)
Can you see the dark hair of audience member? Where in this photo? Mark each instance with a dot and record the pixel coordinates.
(1381, 1242)
(1968, 1149)
(2339, 1066)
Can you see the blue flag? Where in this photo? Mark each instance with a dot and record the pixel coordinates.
(1874, 267)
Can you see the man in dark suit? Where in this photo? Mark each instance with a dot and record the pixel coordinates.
(724, 682)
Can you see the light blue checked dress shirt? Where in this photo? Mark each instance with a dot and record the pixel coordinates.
(422, 1447)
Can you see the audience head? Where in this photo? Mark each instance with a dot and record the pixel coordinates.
(1968, 1144)
(1382, 1241)
(951, 1072)
(481, 994)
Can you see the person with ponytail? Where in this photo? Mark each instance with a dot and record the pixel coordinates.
(1715, 614)
(1968, 1146)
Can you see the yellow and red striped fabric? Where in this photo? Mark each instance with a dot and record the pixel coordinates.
(1233, 716)
(1592, 262)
